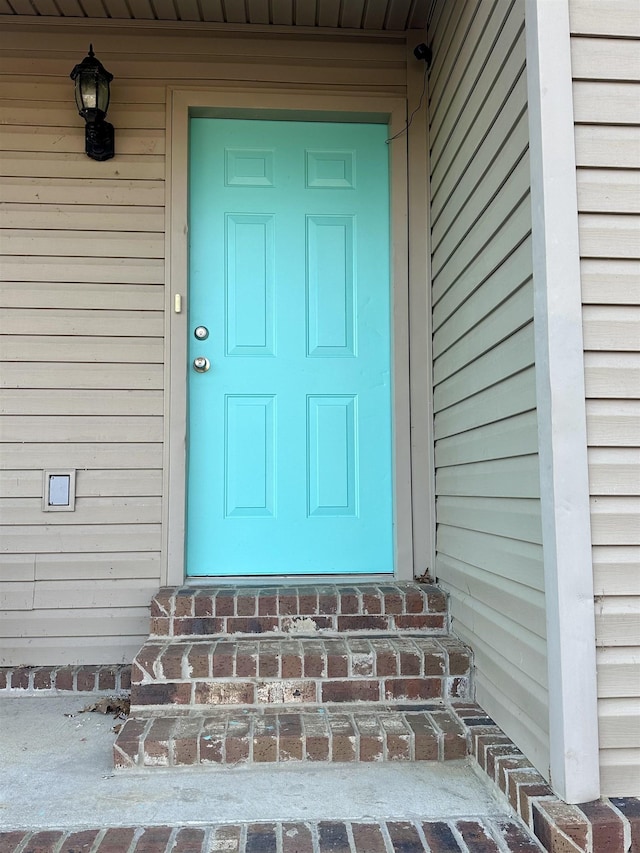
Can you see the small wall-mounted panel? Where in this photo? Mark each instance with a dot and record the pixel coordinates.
(59, 491)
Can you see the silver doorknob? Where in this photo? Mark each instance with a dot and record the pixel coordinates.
(201, 364)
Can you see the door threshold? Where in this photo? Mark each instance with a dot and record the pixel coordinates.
(290, 580)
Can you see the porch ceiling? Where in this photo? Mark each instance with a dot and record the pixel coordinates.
(368, 15)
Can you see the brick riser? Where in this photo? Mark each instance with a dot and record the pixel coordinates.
(300, 671)
(348, 734)
(327, 609)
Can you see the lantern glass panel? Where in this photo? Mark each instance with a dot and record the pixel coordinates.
(89, 86)
(78, 93)
(103, 94)
(92, 92)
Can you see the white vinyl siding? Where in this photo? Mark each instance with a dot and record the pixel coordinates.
(82, 349)
(489, 541)
(606, 73)
(82, 346)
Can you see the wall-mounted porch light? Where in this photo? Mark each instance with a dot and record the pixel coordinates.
(92, 81)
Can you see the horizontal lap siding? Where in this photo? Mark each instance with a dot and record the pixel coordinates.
(82, 375)
(605, 50)
(489, 551)
(82, 298)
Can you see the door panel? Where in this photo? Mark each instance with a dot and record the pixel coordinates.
(289, 443)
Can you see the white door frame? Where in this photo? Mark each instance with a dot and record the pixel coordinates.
(300, 105)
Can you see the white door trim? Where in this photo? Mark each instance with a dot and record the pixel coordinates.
(420, 322)
(294, 104)
(562, 432)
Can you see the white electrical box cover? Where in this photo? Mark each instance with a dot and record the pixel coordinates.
(59, 491)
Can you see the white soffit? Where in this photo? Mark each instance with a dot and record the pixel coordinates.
(372, 15)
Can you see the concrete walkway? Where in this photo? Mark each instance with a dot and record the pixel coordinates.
(58, 780)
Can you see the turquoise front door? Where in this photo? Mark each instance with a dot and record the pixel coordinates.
(289, 424)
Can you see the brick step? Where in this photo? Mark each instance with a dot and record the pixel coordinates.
(454, 835)
(298, 670)
(302, 609)
(221, 736)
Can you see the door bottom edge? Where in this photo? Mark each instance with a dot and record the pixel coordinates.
(299, 580)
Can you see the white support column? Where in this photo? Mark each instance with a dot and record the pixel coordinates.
(573, 714)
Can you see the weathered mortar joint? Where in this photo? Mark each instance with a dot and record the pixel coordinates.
(26, 681)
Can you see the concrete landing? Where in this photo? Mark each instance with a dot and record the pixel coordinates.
(57, 773)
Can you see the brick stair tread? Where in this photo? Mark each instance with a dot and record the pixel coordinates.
(313, 608)
(299, 670)
(219, 736)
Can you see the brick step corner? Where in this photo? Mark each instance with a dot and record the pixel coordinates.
(223, 737)
(273, 670)
(303, 609)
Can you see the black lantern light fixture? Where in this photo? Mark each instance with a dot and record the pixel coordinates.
(92, 81)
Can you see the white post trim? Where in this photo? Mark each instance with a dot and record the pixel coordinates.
(564, 484)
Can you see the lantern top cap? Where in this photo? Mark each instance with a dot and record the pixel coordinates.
(91, 64)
